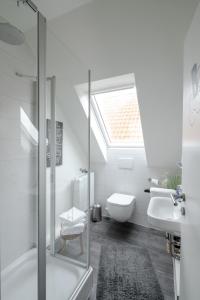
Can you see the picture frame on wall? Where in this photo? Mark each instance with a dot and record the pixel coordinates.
(59, 143)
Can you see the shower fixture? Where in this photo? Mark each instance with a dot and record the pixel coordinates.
(29, 76)
(11, 34)
(25, 75)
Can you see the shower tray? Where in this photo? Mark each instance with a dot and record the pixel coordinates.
(19, 280)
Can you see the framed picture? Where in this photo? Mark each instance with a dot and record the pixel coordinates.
(59, 143)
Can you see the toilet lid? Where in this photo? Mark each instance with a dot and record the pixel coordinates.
(121, 199)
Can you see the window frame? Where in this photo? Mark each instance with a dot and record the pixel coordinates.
(97, 113)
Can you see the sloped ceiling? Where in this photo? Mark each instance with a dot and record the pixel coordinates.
(55, 8)
(114, 37)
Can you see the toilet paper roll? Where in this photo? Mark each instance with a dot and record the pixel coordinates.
(155, 181)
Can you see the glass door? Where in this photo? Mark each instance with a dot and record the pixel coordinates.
(68, 180)
(44, 160)
(22, 138)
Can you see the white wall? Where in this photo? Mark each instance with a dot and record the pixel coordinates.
(190, 262)
(74, 158)
(18, 154)
(114, 37)
(110, 178)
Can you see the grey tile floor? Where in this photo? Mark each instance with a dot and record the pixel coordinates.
(109, 231)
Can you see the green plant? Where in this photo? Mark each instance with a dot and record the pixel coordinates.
(173, 181)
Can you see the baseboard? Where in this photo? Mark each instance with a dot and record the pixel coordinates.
(106, 216)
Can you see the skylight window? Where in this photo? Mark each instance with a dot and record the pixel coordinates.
(119, 117)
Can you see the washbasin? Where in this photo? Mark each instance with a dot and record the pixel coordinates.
(163, 215)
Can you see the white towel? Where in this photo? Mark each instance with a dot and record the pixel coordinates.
(72, 216)
(75, 229)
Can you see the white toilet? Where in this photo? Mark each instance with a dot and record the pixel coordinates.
(120, 206)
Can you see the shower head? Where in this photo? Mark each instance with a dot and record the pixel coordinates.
(11, 34)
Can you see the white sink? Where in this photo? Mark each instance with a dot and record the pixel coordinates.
(163, 215)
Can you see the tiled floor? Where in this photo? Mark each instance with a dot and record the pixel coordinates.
(109, 231)
(131, 234)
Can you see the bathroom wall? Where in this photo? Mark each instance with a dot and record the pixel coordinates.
(18, 155)
(74, 158)
(68, 71)
(111, 177)
(190, 230)
(18, 152)
(119, 38)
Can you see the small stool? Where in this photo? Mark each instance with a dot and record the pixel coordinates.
(75, 221)
(71, 237)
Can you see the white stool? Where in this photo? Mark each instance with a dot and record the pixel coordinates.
(72, 226)
(68, 237)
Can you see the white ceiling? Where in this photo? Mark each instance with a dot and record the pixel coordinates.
(20, 16)
(54, 8)
(114, 37)
(24, 17)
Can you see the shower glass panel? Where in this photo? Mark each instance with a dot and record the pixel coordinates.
(68, 208)
(18, 151)
(42, 258)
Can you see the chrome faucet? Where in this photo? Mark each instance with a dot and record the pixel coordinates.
(174, 200)
(179, 197)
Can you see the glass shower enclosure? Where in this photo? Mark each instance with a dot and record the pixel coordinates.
(44, 161)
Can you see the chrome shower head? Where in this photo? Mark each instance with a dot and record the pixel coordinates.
(11, 34)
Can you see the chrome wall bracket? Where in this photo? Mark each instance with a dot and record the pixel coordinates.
(29, 3)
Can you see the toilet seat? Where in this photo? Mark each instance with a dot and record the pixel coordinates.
(120, 206)
(121, 199)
